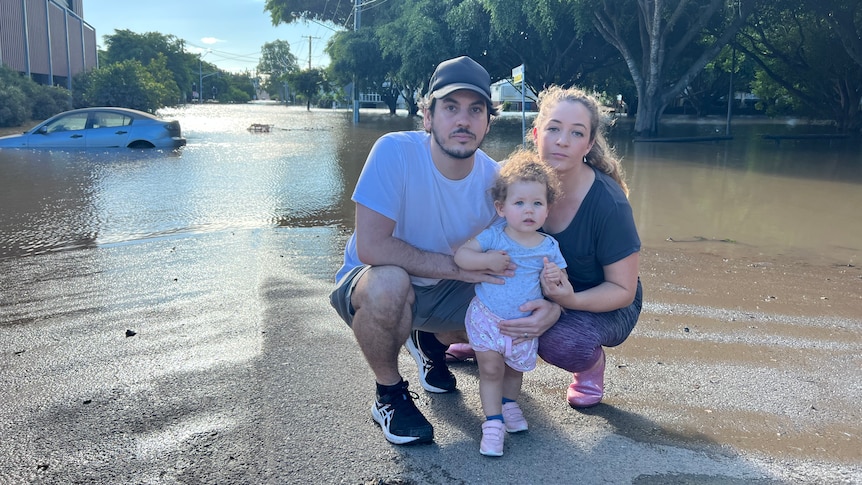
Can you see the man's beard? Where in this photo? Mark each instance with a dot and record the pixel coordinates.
(458, 154)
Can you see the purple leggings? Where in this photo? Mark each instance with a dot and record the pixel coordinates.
(575, 342)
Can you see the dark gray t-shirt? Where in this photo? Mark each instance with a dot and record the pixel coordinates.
(602, 232)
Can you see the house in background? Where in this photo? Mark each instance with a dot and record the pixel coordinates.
(47, 40)
(504, 93)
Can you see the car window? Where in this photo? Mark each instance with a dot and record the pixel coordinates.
(111, 120)
(77, 121)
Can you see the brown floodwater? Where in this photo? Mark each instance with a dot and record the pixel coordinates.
(745, 195)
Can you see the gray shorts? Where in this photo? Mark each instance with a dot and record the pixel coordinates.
(438, 308)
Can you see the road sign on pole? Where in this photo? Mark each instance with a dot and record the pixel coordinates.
(518, 79)
(518, 75)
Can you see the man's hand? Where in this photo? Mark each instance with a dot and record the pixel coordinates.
(482, 276)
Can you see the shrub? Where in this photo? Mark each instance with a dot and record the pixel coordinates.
(13, 105)
(22, 99)
(48, 101)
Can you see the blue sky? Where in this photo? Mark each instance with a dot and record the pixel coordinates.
(233, 31)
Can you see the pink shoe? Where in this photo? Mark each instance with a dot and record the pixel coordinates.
(514, 418)
(587, 387)
(460, 353)
(492, 438)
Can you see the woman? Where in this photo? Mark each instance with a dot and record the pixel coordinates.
(593, 223)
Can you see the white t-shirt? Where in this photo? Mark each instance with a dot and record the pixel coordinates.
(431, 212)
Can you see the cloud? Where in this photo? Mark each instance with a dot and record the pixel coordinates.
(211, 40)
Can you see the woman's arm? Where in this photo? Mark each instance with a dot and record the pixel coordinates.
(618, 289)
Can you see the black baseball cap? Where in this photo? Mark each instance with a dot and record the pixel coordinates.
(460, 73)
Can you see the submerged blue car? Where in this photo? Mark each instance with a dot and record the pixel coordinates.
(100, 128)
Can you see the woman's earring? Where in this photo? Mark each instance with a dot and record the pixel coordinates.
(585, 159)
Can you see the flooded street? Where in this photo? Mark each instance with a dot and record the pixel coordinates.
(799, 197)
(163, 316)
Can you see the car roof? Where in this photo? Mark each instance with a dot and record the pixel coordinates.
(126, 111)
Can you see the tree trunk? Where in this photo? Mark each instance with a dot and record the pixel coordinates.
(649, 112)
(648, 50)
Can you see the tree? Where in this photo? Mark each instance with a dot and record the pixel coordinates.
(308, 84)
(545, 37)
(845, 16)
(356, 59)
(708, 91)
(415, 41)
(276, 63)
(168, 90)
(665, 44)
(806, 65)
(128, 84)
(148, 47)
(288, 11)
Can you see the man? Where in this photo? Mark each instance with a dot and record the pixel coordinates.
(419, 197)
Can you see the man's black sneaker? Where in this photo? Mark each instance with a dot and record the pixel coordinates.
(401, 421)
(430, 356)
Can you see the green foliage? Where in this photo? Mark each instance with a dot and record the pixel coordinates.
(125, 84)
(235, 95)
(81, 85)
(665, 45)
(22, 100)
(547, 38)
(166, 85)
(327, 99)
(48, 101)
(358, 56)
(805, 65)
(13, 105)
(774, 100)
(308, 84)
(288, 11)
(151, 47)
(276, 63)
(152, 70)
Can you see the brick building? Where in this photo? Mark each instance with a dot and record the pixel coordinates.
(47, 40)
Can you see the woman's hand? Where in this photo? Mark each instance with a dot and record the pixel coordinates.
(551, 275)
(543, 315)
(555, 284)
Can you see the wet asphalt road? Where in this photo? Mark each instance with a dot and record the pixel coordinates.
(216, 359)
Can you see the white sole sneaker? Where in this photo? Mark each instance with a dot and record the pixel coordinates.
(424, 364)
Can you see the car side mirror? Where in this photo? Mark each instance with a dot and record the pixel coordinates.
(42, 131)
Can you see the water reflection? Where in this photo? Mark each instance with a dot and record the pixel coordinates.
(750, 193)
(753, 192)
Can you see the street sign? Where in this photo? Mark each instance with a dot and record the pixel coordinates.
(518, 75)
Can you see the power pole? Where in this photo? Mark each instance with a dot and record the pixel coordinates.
(356, 6)
(309, 48)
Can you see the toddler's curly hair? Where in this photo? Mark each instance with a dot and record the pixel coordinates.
(524, 165)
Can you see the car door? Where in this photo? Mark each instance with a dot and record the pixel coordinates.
(68, 131)
(108, 129)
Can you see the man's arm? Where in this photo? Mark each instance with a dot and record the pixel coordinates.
(471, 256)
(376, 246)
